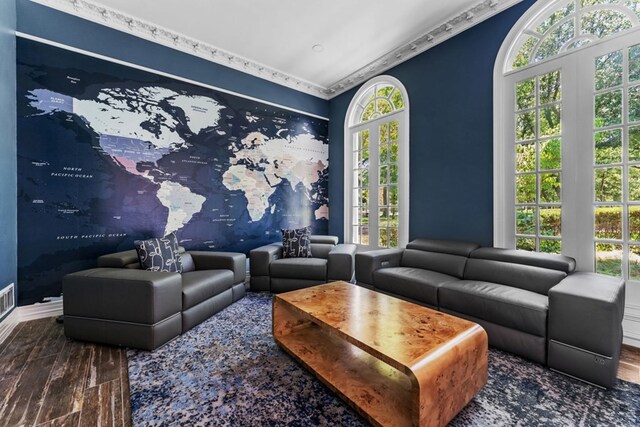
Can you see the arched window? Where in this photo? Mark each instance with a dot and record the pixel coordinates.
(567, 134)
(377, 165)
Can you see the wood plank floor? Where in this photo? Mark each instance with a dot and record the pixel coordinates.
(47, 380)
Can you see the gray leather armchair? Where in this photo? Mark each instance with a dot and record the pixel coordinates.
(330, 262)
(118, 303)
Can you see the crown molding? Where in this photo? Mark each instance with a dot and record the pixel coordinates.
(95, 12)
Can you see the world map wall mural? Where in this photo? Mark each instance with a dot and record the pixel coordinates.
(108, 154)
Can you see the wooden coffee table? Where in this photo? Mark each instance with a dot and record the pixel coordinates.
(396, 363)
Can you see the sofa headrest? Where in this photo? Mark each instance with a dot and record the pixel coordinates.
(452, 247)
(536, 259)
(329, 240)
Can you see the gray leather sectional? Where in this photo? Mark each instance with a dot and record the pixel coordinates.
(330, 261)
(120, 304)
(531, 304)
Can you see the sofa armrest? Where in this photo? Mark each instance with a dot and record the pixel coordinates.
(585, 327)
(260, 258)
(119, 259)
(134, 296)
(341, 262)
(234, 261)
(368, 262)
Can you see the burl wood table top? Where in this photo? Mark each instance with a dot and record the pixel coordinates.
(402, 334)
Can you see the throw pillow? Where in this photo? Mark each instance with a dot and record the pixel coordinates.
(159, 254)
(296, 243)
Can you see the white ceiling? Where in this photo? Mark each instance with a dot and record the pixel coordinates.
(279, 34)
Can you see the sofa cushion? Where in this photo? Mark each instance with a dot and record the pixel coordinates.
(198, 286)
(452, 265)
(443, 246)
(536, 259)
(534, 279)
(515, 308)
(159, 254)
(299, 268)
(413, 283)
(296, 243)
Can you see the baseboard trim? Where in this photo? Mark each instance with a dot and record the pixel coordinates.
(26, 313)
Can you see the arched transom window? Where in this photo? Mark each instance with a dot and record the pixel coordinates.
(376, 165)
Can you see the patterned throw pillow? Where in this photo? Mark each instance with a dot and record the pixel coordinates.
(296, 243)
(159, 254)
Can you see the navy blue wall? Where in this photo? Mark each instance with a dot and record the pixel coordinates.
(8, 241)
(451, 110)
(51, 24)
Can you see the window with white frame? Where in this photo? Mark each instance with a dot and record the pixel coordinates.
(567, 147)
(377, 165)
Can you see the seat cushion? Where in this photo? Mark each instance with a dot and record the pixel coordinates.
(299, 268)
(515, 308)
(198, 286)
(413, 283)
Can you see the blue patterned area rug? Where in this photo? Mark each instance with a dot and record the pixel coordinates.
(229, 372)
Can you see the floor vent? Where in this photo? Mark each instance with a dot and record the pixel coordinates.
(7, 300)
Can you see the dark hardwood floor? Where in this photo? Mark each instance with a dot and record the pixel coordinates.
(48, 380)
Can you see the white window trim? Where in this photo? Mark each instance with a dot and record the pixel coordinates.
(403, 162)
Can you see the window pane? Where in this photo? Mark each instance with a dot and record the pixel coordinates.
(608, 184)
(634, 183)
(608, 222)
(526, 188)
(393, 217)
(550, 246)
(383, 240)
(608, 146)
(551, 154)
(383, 217)
(363, 178)
(609, 70)
(393, 174)
(524, 53)
(634, 262)
(526, 244)
(384, 154)
(363, 197)
(368, 113)
(364, 216)
(634, 63)
(393, 195)
(384, 175)
(526, 126)
(355, 238)
(634, 104)
(609, 259)
(550, 187)
(526, 157)
(394, 152)
(554, 41)
(634, 223)
(550, 221)
(393, 237)
(550, 121)
(634, 143)
(603, 23)
(525, 94)
(384, 133)
(526, 220)
(364, 235)
(393, 130)
(555, 17)
(550, 87)
(363, 140)
(383, 196)
(608, 109)
(396, 99)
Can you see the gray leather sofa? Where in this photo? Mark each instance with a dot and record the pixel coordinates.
(120, 304)
(531, 304)
(330, 262)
